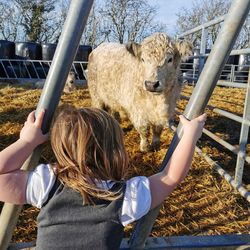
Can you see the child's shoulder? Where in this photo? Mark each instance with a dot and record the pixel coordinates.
(46, 168)
(137, 199)
(138, 188)
(40, 182)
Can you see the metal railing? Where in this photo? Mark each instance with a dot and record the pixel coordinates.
(235, 76)
(36, 70)
(230, 73)
(208, 78)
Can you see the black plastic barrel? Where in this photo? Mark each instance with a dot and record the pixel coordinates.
(82, 55)
(7, 51)
(28, 50)
(243, 68)
(48, 51)
(244, 61)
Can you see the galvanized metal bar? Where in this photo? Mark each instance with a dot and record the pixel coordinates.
(242, 190)
(5, 71)
(212, 242)
(200, 97)
(34, 67)
(223, 113)
(227, 145)
(74, 68)
(243, 137)
(205, 25)
(232, 84)
(232, 75)
(240, 51)
(233, 52)
(236, 52)
(84, 71)
(13, 69)
(42, 66)
(41, 63)
(54, 84)
(203, 47)
(26, 68)
(228, 115)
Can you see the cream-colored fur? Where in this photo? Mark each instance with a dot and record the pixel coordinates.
(140, 80)
(70, 84)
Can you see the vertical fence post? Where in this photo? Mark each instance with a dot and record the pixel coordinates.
(243, 137)
(54, 84)
(199, 98)
(203, 46)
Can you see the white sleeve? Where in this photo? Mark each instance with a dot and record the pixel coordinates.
(40, 182)
(137, 199)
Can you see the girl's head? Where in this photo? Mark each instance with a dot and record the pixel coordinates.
(89, 148)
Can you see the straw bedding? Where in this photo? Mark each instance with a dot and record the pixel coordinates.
(203, 204)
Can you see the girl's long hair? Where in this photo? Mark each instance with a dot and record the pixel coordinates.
(89, 148)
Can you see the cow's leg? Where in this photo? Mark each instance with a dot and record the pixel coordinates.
(115, 114)
(156, 137)
(97, 103)
(123, 115)
(144, 132)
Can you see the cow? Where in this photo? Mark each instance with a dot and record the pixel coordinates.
(139, 80)
(70, 84)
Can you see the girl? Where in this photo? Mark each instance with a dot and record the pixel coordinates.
(86, 198)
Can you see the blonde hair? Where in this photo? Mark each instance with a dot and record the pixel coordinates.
(89, 148)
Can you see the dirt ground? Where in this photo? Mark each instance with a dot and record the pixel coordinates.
(203, 204)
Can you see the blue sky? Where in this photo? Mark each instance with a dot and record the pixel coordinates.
(167, 10)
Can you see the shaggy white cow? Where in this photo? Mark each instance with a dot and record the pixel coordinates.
(69, 86)
(140, 80)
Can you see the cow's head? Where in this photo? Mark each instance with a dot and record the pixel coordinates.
(70, 84)
(160, 59)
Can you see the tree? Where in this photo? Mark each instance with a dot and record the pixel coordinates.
(36, 19)
(110, 20)
(128, 20)
(9, 21)
(203, 11)
(92, 33)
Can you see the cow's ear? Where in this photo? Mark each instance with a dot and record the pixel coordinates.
(134, 49)
(185, 49)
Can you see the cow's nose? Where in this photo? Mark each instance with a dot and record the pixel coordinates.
(152, 86)
(156, 84)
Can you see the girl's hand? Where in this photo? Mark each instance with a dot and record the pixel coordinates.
(194, 127)
(31, 132)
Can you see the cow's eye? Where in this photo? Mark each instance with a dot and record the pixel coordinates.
(170, 60)
(142, 59)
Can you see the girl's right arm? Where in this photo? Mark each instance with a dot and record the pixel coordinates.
(12, 179)
(163, 183)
